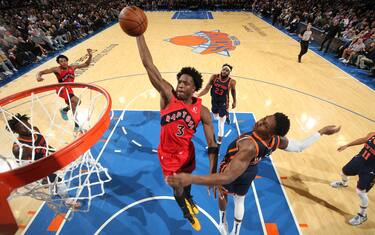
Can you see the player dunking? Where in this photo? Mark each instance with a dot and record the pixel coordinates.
(65, 73)
(32, 146)
(221, 85)
(180, 115)
(239, 166)
(363, 165)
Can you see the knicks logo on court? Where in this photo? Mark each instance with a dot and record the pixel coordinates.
(207, 42)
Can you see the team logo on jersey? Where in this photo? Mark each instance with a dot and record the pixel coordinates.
(207, 42)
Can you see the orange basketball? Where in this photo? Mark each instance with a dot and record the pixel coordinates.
(133, 21)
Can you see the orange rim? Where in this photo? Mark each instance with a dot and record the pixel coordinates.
(34, 171)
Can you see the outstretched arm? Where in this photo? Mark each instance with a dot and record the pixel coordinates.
(233, 91)
(87, 62)
(207, 87)
(356, 142)
(161, 85)
(290, 145)
(46, 71)
(210, 137)
(235, 168)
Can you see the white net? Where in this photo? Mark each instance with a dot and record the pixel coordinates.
(35, 127)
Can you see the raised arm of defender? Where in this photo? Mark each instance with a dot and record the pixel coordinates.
(291, 145)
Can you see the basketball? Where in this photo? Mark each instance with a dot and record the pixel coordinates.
(133, 21)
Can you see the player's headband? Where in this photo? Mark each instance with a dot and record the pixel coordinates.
(227, 67)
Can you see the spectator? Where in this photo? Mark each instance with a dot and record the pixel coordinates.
(354, 48)
(6, 65)
(331, 32)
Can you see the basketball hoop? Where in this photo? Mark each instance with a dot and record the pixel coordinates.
(68, 172)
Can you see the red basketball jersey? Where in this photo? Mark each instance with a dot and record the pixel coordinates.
(65, 75)
(178, 124)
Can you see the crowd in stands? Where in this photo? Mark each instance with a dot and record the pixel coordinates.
(351, 21)
(32, 29)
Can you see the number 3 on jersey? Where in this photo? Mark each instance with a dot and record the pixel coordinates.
(180, 131)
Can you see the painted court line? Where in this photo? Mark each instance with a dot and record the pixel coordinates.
(286, 198)
(136, 143)
(146, 200)
(117, 150)
(102, 150)
(226, 135)
(56, 222)
(255, 80)
(32, 220)
(123, 130)
(272, 229)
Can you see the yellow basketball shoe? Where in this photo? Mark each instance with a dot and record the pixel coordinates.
(191, 206)
(193, 221)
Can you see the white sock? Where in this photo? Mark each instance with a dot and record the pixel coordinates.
(363, 210)
(239, 211)
(363, 201)
(222, 217)
(221, 123)
(236, 227)
(216, 116)
(344, 178)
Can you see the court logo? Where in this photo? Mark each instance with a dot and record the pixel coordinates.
(207, 42)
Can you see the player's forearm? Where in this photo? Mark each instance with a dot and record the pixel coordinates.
(359, 141)
(40, 73)
(213, 162)
(234, 95)
(202, 93)
(300, 145)
(144, 52)
(213, 179)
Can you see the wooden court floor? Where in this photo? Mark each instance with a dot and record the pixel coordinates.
(269, 79)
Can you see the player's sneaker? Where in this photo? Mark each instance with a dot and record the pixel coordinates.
(193, 209)
(339, 184)
(223, 229)
(64, 115)
(193, 221)
(227, 121)
(358, 219)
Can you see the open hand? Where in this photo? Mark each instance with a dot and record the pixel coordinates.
(329, 130)
(179, 180)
